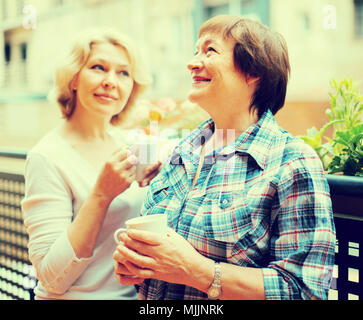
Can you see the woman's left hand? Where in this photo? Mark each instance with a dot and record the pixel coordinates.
(144, 254)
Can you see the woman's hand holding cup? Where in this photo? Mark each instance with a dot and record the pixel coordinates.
(154, 225)
(146, 254)
(116, 176)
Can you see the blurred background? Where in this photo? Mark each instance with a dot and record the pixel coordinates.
(324, 37)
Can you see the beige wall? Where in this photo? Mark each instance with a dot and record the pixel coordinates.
(164, 31)
(320, 53)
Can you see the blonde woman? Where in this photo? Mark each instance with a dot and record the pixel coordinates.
(79, 179)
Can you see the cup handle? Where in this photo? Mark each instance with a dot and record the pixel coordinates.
(117, 232)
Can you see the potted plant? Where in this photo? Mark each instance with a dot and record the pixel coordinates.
(342, 156)
(343, 153)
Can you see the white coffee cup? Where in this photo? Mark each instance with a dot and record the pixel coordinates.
(146, 151)
(157, 223)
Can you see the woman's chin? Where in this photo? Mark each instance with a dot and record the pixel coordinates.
(194, 97)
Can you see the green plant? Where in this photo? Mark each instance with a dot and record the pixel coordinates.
(350, 159)
(344, 151)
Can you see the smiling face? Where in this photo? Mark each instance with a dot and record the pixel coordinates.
(215, 78)
(104, 83)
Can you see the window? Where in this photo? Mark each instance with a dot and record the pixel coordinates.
(3, 9)
(7, 49)
(256, 9)
(23, 51)
(205, 9)
(211, 11)
(358, 9)
(20, 6)
(305, 22)
(248, 6)
(23, 66)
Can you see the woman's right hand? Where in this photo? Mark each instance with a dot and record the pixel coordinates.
(116, 175)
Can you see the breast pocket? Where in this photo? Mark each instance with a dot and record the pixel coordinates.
(226, 216)
(162, 200)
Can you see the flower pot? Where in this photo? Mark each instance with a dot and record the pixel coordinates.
(346, 194)
(347, 201)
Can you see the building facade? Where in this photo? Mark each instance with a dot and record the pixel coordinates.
(324, 37)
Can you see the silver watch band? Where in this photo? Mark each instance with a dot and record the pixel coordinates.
(214, 290)
(217, 273)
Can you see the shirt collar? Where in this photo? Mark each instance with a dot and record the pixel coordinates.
(255, 141)
(188, 149)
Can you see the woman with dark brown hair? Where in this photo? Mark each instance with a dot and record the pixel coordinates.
(248, 205)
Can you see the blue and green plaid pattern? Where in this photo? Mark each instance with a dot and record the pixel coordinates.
(261, 201)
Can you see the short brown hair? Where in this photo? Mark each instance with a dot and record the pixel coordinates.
(62, 91)
(258, 52)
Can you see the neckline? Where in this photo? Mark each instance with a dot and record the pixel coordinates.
(83, 160)
(77, 154)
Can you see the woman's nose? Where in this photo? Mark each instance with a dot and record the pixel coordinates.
(109, 80)
(194, 64)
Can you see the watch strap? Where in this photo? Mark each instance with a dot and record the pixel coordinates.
(214, 290)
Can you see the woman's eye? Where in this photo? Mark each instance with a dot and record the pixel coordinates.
(125, 73)
(98, 67)
(211, 49)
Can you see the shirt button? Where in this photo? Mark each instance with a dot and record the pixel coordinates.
(225, 203)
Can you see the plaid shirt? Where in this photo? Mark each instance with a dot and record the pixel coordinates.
(261, 201)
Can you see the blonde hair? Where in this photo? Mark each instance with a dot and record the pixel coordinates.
(62, 92)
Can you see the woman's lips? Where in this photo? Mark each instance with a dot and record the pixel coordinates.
(105, 97)
(199, 79)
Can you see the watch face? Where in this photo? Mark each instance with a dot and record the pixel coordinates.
(214, 292)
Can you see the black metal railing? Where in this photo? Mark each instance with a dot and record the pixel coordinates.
(347, 199)
(17, 278)
(12, 154)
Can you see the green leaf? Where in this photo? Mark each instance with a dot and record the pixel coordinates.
(344, 151)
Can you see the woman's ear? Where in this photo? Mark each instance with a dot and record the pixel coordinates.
(252, 80)
(74, 83)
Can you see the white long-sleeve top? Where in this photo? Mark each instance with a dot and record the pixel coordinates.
(57, 181)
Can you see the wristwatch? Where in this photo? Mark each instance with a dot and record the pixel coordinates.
(215, 288)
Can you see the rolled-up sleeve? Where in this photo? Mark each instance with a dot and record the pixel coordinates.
(302, 241)
(47, 209)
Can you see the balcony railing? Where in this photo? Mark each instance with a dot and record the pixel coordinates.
(17, 278)
(347, 199)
